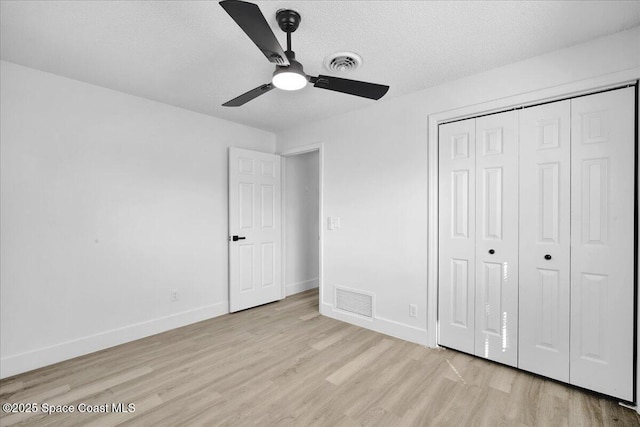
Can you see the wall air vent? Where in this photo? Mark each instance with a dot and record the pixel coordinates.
(355, 302)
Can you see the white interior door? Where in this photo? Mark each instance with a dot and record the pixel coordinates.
(602, 242)
(545, 162)
(254, 229)
(456, 272)
(497, 237)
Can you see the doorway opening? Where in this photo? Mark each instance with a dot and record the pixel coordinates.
(301, 221)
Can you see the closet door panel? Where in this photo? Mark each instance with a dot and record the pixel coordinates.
(602, 240)
(497, 237)
(545, 161)
(456, 276)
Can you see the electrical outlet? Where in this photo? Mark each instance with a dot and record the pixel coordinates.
(174, 295)
(413, 310)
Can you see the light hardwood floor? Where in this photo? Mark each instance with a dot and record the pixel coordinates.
(283, 364)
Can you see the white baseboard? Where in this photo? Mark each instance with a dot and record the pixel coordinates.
(378, 324)
(295, 288)
(23, 362)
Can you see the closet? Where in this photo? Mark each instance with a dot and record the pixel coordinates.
(537, 239)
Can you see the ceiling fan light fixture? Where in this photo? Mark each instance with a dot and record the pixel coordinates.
(286, 79)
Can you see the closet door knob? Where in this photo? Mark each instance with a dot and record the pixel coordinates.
(491, 251)
(547, 257)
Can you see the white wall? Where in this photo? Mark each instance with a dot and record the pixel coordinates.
(376, 176)
(301, 199)
(108, 202)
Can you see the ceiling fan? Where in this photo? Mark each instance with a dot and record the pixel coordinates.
(289, 74)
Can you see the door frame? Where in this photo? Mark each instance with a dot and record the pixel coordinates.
(319, 147)
(555, 93)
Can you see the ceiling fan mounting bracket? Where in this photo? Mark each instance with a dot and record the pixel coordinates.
(288, 20)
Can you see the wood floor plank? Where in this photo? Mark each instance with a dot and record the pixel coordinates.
(503, 379)
(434, 403)
(342, 374)
(10, 386)
(143, 406)
(331, 339)
(309, 316)
(283, 364)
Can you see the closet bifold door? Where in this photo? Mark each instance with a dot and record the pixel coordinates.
(545, 162)
(497, 237)
(602, 242)
(456, 228)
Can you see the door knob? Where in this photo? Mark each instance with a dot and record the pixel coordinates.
(547, 257)
(491, 251)
(236, 238)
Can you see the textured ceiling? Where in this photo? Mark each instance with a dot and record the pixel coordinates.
(192, 55)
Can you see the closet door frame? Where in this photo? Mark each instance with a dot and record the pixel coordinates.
(556, 93)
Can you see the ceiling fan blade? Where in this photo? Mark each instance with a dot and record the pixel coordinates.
(352, 87)
(248, 96)
(252, 22)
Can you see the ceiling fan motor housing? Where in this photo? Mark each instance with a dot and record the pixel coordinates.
(294, 66)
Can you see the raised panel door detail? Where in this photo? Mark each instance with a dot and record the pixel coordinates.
(459, 292)
(246, 267)
(492, 298)
(549, 202)
(593, 296)
(548, 133)
(492, 203)
(246, 205)
(496, 245)
(492, 141)
(267, 169)
(460, 204)
(544, 246)
(602, 242)
(254, 214)
(595, 127)
(457, 235)
(595, 189)
(245, 166)
(267, 198)
(267, 252)
(460, 146)
(547, 319)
